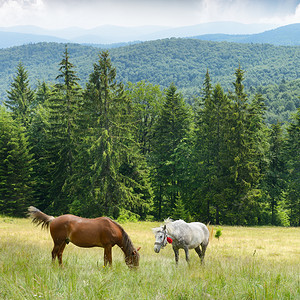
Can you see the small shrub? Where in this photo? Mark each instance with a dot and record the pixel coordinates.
(218, 233)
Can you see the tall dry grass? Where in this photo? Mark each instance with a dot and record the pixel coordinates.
(246, 263)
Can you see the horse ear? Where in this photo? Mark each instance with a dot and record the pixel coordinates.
(154, 230)
(134, 252)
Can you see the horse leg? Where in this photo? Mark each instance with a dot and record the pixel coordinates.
(176, 252)
(54, 252)
(107, 256)
(199, 252)
(187, 257)
(58, 251)
(203, 246)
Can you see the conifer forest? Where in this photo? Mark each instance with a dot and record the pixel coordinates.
(137, 150)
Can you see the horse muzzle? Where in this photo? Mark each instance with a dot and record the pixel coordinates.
(156, 248)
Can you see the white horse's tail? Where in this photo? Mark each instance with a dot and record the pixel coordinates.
(211, 230)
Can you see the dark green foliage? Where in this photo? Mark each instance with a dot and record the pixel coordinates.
(63, 106)
(179, 211)
(115, 173)
(20, 96)
(293, 159)
(147, 101)
(208, 167)
(274, 180)
(229, 154)
(39, 140)
(43, 93)
(182, 61)
(171, 130)
(16, 168)
(103, 149)
(243, 162)
(218, 233)
(281, 100)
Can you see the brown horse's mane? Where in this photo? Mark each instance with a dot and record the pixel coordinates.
(127, 246)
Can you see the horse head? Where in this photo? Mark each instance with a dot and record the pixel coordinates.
(133, 259)
(160, 238)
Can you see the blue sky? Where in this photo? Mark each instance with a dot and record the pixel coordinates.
(172, 13)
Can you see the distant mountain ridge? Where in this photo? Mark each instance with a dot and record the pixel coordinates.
(10, 39)
(107, 35)
(288, 35)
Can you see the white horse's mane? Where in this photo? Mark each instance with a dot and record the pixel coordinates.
(177, 227)
(160, 228)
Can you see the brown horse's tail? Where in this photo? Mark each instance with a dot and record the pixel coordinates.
(39, 218)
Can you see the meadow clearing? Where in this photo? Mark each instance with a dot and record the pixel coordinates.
(245, 263)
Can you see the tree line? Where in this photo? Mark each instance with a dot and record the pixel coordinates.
(137, 150)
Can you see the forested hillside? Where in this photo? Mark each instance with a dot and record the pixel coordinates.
(137, 151)
(182, 61)
(161, 62)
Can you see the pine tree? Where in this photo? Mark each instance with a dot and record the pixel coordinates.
(242, 159)
(293, 159)
(171, 130)
(16, 167)
(116, 175)
(40, 140)
(64, 107)
(274, 178)
(209, 150)
(20, 96)
(43, 93)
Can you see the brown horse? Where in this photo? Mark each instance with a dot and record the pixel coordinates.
(100, 232)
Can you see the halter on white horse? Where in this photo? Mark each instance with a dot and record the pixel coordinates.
(162, 238)
(184, 235)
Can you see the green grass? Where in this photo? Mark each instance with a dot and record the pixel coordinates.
(246, 263)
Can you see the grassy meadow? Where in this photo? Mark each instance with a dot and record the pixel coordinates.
(245, 263)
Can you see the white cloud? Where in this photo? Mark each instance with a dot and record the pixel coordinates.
(17, 12)
(92, 13)
(284, 20)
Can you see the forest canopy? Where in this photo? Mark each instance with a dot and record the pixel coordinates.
(137, 149)
(181, 61)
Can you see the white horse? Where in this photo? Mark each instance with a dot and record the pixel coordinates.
(182, 235)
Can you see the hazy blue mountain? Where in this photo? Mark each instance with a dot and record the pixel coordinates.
(106, 34)
(285, 35)
(10, 39)
(109, 34)
(209, 28)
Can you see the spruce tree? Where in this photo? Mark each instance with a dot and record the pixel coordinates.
(275, 175)
(116, 175)
(16, 181)
(64, 108)
(43, 93)
(171, 130)
(20, 96)
(293, 159)
(209, 152)
(242, 162)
